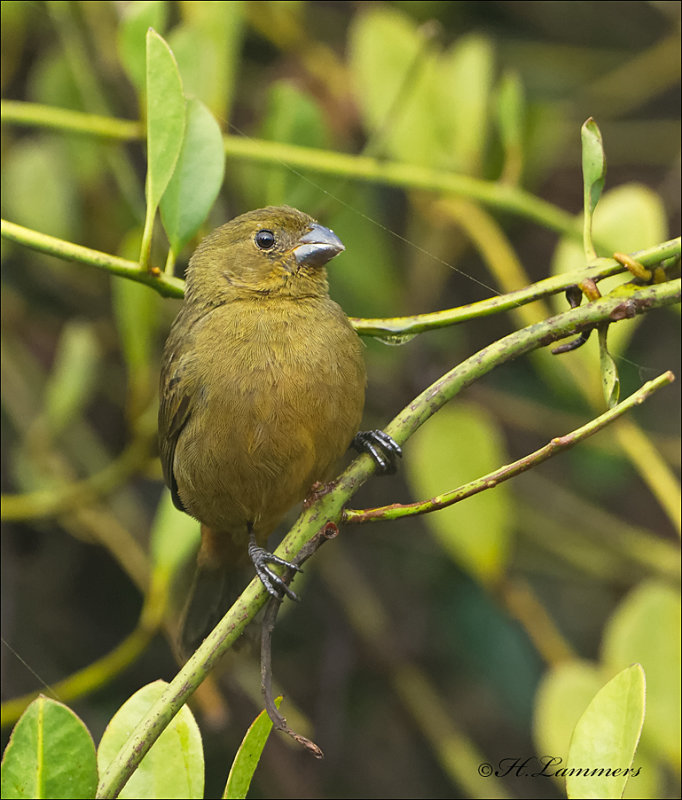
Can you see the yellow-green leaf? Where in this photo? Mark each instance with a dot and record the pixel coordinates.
(628, 218)
(594, 164)
(248, 756)
(173, 767)
(564, 693)
(457, 445)
(594, 175)
(394, 71)
(73, 376)
(609, 370)
(646, 628)
(174, 535)
(605, 739)
(464, 79)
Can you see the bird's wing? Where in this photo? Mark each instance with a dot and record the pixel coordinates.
(175, 404)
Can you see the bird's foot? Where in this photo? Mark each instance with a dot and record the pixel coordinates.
(381, 447)
(273, 582)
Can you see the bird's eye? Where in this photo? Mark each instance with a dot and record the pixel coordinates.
(265, 239)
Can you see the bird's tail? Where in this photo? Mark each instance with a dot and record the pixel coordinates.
(218, 580)
(206, 604)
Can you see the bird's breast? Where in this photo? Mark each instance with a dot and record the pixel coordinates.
(281, 392)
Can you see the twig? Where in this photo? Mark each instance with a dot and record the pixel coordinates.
(278, 720)
(165, 285)
(419, 323)
(492, 479)
(328, 531)
(169, 286)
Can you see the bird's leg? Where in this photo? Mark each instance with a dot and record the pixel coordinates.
(260, 558)
(383, 449)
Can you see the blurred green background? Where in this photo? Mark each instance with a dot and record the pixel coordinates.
(489, 625)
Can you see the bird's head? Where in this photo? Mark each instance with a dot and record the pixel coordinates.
(271, 252)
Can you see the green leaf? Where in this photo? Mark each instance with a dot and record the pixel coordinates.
(175, 538)
(173, 767)
(207, 46)
(363, 278)
(465, 79)
(383, 42)
(394, 70)
(165, 130)
(74, 375)
(457, 445)
(594, 164)
(52, 83)
(646, 628)
(165, 116)
(197, 178)
(629, 218)
(290, 116)
(137, 18)
(510, 118)
(137, 314)
(594, 175)
(564, 693)
(609, 370)
(38, 187)
(50, 754)
(605, 739)
(510, 109)
(248, 756)
(420, 105)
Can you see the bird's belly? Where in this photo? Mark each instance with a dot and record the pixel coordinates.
(274, 433)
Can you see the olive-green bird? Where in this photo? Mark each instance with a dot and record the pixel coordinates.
(262, 391)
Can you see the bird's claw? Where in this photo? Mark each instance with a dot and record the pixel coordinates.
(274, 583)
(381, 447)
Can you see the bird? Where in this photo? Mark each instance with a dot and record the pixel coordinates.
(262, 390)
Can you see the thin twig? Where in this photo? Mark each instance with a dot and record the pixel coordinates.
(492, 479)
(165, 285)
(328, 531)
(169, 286)
(278, 720)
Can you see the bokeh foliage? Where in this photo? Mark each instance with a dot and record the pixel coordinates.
(488, 626)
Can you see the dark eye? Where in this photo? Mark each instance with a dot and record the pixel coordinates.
(265, 239)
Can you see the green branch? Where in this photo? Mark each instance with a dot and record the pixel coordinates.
(554, 447)
(407, 176)
(604, 268)
(34, 115)
(170, 286)
(325, 162)
(329, 507)
(165, 285)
